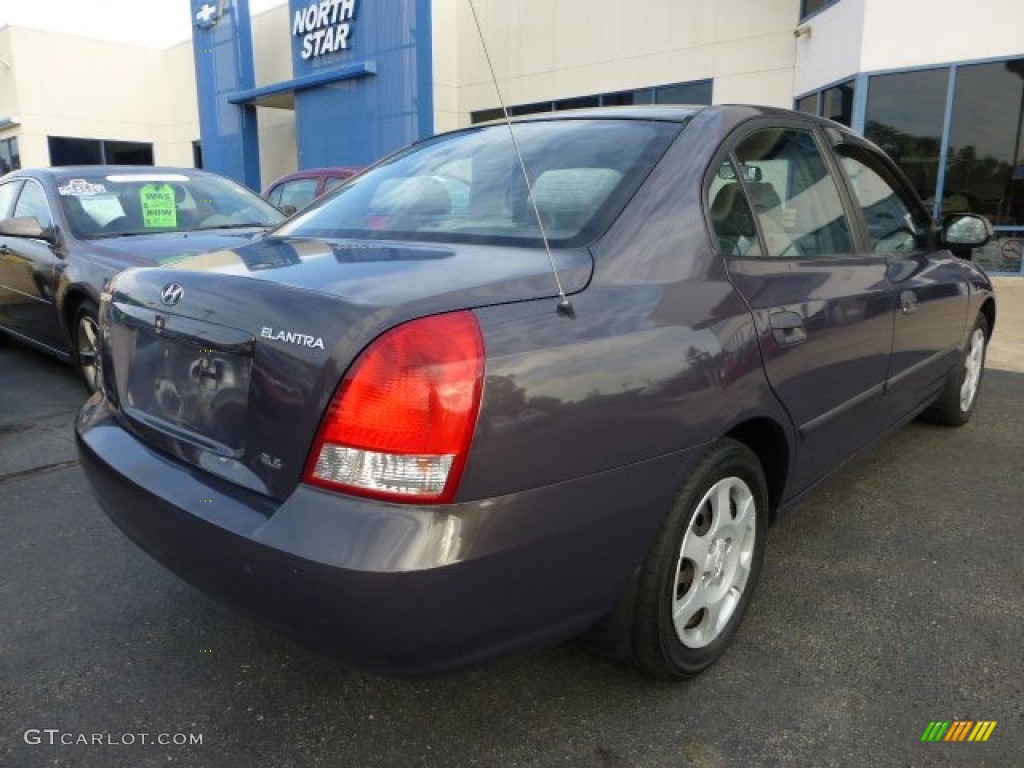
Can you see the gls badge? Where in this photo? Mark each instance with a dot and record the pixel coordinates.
(299, 339)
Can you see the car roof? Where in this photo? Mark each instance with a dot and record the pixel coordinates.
(96, 170)
(678, 113)
(313, 173)
(664, 112)
(63, 172)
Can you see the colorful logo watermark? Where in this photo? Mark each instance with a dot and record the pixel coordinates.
(958, 730)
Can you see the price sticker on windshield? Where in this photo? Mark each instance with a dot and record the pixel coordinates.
(158, 209)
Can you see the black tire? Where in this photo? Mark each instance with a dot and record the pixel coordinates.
(954, 406)
(85, 344)
(732, 564)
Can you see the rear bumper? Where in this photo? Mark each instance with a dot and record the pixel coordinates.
(395, 589)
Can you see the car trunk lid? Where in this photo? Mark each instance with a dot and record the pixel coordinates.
(229, 361)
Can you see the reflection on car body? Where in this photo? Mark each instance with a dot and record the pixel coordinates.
(461, 471)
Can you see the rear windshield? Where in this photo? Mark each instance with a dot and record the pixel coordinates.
(469, 187)
(120, 204)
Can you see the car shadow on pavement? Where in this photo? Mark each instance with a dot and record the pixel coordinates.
(890, 598)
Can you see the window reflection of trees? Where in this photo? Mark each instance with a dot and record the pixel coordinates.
(985, 167)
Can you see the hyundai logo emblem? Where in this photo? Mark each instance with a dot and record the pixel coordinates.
(172, 294)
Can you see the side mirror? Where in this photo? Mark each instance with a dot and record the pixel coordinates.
(964, 231)
(26, 226)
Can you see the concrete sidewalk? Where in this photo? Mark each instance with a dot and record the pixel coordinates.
(1006, 351)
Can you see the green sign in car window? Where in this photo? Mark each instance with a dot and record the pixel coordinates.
(158, 209)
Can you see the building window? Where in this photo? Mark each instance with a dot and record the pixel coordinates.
(978, 166)
(628, 98)
(530, 109)
(905, 114)
(10, 160)
(127, 153)
(486, 115)
(808, 104)
(583, 102)
(835, 103)
(811, 7)
(66, 150)
(985, 163)
(698, 92)
(684, 93)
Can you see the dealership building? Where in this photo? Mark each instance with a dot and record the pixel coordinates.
(937, 83)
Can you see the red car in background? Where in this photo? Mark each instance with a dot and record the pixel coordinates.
(297, 190)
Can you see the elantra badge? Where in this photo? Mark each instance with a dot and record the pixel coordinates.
(172, 294)
(300, 339)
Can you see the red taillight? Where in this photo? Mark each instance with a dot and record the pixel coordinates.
(401, 421)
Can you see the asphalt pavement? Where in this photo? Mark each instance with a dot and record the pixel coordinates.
(891, 598)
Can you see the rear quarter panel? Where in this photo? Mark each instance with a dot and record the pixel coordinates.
(660, 360)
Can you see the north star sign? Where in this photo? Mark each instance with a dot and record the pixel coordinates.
(324, 26)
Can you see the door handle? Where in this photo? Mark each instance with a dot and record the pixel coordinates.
(788, 328)
(908, 302)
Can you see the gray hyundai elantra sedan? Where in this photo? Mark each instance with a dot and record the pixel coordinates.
(491, 395)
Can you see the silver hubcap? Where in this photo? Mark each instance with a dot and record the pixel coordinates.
(972, 369)
(87, 348)
(714, 562)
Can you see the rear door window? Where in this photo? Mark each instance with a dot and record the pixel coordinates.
(793, 194)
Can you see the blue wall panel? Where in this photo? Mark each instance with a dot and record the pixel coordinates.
(222, 45)
(357, 121)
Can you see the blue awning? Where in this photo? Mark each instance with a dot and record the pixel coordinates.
(282, 95)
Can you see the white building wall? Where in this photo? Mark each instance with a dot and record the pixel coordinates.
(544, 50)
(272, 47)
(100, 90)
(444, 37)
(179, 102)
(831, 49)
(914, 33)
(8, 87)
(867, 36)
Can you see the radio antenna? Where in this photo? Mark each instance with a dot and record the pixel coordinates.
(564, 305)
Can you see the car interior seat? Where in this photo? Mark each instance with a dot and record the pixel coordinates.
(412, 202)
(81, 222)
(568, 198)
(130, 219)
(770, 215)
(733, 222)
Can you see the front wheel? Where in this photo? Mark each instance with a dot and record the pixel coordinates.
(86, 334)
(955, 404)
(699, 575)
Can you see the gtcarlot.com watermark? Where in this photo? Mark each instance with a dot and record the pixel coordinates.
(58, 737)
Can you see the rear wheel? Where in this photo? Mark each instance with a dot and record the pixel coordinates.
(699, 575)
(86, 336)
(954, 406)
